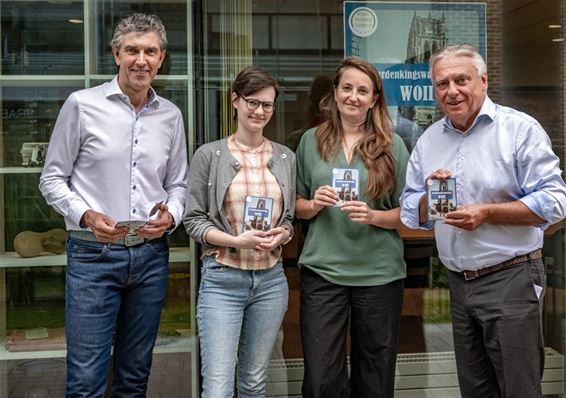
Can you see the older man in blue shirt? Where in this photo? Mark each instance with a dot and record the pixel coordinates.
(509, 189)
(117, 153)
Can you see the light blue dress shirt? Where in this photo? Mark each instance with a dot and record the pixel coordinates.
(104, 156)
(504, 156)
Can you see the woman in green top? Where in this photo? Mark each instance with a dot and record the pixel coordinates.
(350, 174)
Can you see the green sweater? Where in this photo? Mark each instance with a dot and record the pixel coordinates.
(339, 250)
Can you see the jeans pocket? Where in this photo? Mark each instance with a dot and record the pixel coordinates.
(209, 263)
(87, 251)
(158, 246)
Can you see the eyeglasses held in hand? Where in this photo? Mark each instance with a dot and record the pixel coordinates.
(253, 104)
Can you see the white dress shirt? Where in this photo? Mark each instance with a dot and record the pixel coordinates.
(106, 157)
(505, 156)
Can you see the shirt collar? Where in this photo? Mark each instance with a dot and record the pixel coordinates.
(487, 110)
(113, 89)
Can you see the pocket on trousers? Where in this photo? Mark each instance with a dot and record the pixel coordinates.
(85, 252)
(159, 246)
(209, 264)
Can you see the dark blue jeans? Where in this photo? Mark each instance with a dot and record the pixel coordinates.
(112, 292)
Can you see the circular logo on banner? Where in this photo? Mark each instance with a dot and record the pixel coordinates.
(363, 21)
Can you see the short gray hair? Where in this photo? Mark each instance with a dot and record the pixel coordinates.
(138, 23)
(459, 50)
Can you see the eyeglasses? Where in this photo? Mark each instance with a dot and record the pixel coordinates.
(253, 104)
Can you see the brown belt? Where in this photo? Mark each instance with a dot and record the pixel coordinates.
(470, 275)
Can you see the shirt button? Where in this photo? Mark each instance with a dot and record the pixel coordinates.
(136, 141)
(135, 164)
(134, 187)
(134, 211)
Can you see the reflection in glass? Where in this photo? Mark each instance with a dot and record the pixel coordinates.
(42, 38)
(171, 12)
(28, 117)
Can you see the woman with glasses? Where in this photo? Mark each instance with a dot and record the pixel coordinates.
(350, 174)
(240, 207)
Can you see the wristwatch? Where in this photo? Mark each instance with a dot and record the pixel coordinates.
(291, 231)
(172, 226)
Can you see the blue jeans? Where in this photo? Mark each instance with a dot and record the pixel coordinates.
(112, 291)
(239, 314)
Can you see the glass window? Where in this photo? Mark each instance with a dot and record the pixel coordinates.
(42, 37)
(172, 13)
(313, 33)
(51, 48)
(39, 40)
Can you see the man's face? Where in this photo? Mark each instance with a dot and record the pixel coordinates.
(459, 89)
(138, 58)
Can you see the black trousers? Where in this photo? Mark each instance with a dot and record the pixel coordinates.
(374, 314)
(498, 336)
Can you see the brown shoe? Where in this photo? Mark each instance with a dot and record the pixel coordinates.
(33, 244)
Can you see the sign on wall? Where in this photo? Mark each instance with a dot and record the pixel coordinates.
(399, 37)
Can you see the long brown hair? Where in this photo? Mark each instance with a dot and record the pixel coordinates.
(376, 145)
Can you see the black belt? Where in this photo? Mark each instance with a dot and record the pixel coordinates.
(470, 275)
(128, 240)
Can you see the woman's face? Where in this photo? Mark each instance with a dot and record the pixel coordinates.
(354, 95)
(250, 119)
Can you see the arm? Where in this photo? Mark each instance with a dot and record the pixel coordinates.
(359, 212)
(470, 217)
(175, 182)
(63, 150)
(196, 220)
(283, 234)
(324, 196)
(413, 199)
(253, 239)
(544, 193)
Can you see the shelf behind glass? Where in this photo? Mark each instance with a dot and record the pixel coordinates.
(12, 259)
(20, 170)
(163, 345)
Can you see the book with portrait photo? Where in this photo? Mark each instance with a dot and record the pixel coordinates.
(257, 213)
(346, 183)
(441, 196)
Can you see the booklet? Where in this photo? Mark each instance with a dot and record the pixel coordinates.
(441, 196)
(132, 225)
(346, 183)
(257, 213)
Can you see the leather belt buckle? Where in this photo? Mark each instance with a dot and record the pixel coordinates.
(133, 240)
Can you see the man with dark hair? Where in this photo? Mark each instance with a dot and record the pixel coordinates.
(509, 188)
(117, 154)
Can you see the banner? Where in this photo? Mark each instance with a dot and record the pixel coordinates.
(399, 38)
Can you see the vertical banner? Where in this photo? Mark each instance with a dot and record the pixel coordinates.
(399, 38)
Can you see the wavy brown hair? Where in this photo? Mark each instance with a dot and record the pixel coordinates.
(376, 145)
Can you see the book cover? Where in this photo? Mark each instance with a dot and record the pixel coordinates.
(441, 196)
(257, 213)
(132, 225)
(346, 183)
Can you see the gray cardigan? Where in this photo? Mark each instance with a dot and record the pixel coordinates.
(210, 174)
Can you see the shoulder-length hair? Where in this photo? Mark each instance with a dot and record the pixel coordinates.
(375, 147)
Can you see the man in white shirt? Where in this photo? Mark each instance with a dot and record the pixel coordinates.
(509, 188)
(117, 154)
